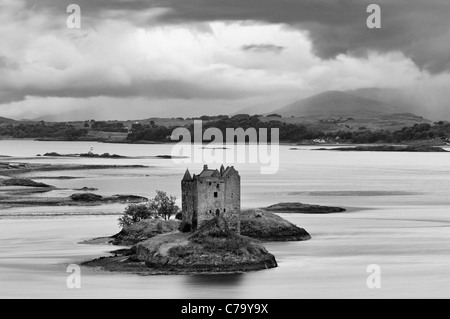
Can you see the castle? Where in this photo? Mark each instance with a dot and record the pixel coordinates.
(211, 193)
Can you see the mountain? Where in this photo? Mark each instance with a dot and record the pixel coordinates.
(428, 102)
(404, 102)
(264, 108)
(4, 120)
(332, 104)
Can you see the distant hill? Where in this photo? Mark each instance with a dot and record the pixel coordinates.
(430, 102)
(337, 104)
(5, 120)
(264, 108)
(403, 101)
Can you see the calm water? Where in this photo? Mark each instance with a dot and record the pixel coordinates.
(398, 218)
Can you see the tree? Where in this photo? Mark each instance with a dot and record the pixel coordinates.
(134, 214)
(163, 205)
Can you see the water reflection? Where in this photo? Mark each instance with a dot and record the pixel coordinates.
(215, 280)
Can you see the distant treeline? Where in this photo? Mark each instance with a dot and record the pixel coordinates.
(293, 133)
(108, 126)
(60, 131)
(297, 132)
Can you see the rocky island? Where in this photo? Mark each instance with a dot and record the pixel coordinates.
(388, 148)
(212, 249)
(90, 154)
(300, 208)
(267, 226)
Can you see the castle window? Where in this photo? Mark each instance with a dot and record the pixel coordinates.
(215, 194)
(218, 185)
(210, 211)
(209, 184)
(224, 210)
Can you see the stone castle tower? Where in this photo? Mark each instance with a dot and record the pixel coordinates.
(212, 193)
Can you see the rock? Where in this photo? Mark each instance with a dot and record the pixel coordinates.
(23, 182)
(52, 154)
(143, 230)
(127, 199)
(86, 197)
(87, 189)
(266, 226)
(185, 227)
(170, 157)
(89, 197)
(104, 155)
(299, 208)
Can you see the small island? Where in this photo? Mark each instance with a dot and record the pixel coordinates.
(212, 249)
(89, 154)
(388, 148)
(300, 208)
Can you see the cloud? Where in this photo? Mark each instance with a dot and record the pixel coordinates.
(419, 29)
(263, 48)
(200, 56)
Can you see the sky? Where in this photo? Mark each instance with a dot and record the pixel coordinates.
(170, 58)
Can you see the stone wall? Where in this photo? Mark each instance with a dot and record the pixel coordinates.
(207, 203)
(189, 200)
(233, 201)
(207, 197)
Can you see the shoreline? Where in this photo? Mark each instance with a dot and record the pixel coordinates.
(17, 190)
(284, 143)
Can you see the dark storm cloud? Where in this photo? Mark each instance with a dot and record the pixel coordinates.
(419, 29)
(157, 89)
(262, 48)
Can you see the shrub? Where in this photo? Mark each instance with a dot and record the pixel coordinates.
(161, 206)
(135, 213)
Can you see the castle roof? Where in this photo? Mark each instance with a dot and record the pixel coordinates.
(229, 170)
(209, 173)
(187, 176)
